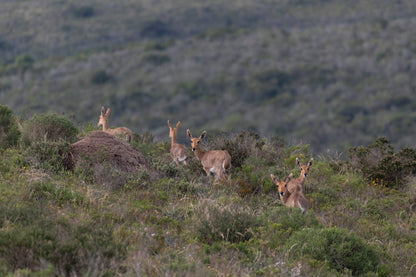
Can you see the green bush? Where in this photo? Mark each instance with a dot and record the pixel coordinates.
(24, 62)
(100, 77)
(9, 131)
(82, 11)
(54, 156)
(381, 166)
(282, 222)
(340, 248)
(49, 127)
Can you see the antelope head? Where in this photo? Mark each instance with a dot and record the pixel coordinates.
(173, 130)
(282, 184)
(195, 141)
(304, 169)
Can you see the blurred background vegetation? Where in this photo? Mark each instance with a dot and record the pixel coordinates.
(332, 74)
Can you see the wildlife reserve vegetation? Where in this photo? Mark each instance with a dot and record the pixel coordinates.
(314, 98)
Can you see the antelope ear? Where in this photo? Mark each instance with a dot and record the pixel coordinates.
(310, 162)
(170, 126)
(102, 110)
(203, 134)
(108, 111)
(177, 124)
(189, 134)
(297, 162)
(274, 178)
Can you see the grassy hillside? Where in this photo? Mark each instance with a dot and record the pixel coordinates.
(171, 220)
(329, 73)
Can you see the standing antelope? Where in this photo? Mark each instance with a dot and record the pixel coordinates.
(117, 131)
(291, 199)
(217, 162)
(178, 151)
(298, 182)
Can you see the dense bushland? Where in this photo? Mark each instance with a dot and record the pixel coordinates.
(174, 221)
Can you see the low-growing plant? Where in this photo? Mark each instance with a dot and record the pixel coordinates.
(281, 222)
(341, 249)
(227, 223)
(49, 127)
(58, 193)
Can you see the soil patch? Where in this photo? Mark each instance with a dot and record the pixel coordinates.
(100, 148)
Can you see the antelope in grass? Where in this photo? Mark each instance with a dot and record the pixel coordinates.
(178, 151)
(217, 162)
(117, 131)
(298, 182)
(291, 199)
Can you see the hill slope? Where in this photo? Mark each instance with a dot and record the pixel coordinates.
(329, 73)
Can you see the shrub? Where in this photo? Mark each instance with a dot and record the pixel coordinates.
(156, 59)
(54, 156)
(24, 62)
(381, 166)
(282, 222)
(82, 11)
(156, 29)
(100, 77)
(240, 146)
(341, 249)
(50, 127)
(9, 131)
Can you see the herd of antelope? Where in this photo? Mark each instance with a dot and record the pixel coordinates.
(218, 162)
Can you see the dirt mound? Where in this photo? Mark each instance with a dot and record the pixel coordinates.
(100, 148)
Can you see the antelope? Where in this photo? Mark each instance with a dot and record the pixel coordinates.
(217, 162)
(117, 131)
(178, 151)
(294, 199)
(298, 182)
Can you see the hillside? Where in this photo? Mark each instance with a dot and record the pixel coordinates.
(332, 74)
(102, 216)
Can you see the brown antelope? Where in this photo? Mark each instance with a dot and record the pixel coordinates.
(217, 162)
(178, 151)
(290, 199)
(298, 182)
(117, 131)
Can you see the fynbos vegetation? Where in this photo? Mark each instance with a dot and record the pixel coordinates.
(164, 219)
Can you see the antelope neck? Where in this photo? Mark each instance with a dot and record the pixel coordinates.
(199, 153)
(174, 139)
(285, 197)
(301, 178)
(105, 125)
